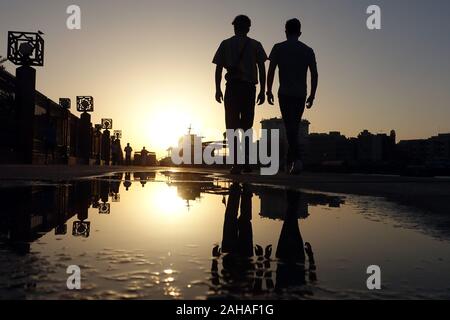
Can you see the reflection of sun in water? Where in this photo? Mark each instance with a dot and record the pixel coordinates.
(167, 202)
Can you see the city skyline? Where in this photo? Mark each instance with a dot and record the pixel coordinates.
(155, 78)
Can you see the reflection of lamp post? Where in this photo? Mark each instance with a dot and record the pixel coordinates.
(85, 105)
(115, 197)
(61, 229)
(25, 49)
(81, 229)
(104, 208)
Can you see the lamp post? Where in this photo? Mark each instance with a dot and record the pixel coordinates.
(66, 104)
(98, 144)
(117, 134)
(107, 125)
(85, 105)
(25, 49)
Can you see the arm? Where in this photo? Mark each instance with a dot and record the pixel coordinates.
(314, 83)
(270, 77)
(262, 81)
(219, 94)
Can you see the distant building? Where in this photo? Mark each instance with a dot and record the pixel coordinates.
(413, 151)
(277, 123)
(220, 149)
(438, 148)
(432, 151)
(375, 148)
(330, 148)
(188, 139)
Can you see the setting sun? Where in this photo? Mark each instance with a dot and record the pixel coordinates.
(167, 126)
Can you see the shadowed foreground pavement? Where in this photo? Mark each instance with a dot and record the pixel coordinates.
(427, 193)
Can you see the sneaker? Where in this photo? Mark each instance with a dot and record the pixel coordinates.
(235, 170)
(296, 168)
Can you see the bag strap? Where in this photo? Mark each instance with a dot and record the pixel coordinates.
(241, 54)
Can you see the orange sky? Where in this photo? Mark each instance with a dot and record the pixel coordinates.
(148, 63)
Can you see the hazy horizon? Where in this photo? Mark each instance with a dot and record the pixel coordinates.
(148, 63)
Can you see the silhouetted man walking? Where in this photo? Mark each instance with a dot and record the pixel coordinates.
(293, 58)
(242, 57)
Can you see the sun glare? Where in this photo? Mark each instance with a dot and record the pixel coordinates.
(165, 127)
(167, 202)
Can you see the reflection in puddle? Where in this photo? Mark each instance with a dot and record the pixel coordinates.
(246, 267)
(175, 235)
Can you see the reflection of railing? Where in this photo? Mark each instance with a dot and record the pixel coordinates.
(32, 211)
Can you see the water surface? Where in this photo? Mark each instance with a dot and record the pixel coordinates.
(174, 235)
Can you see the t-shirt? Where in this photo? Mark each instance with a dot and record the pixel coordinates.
(293, 58)
(228, 55)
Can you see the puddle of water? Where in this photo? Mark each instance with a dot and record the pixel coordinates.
(166, 235)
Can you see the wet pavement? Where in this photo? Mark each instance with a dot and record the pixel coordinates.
(181, 235)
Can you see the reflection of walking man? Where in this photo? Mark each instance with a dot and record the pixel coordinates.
(237, 231)
(291, 249)
(237, 243)
(242, 57)
(293, 59)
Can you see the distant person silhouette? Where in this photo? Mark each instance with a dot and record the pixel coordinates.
(242, 57)
(293, 59)
(128, 150)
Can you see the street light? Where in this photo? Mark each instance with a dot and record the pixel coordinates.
(85, 104)
(107, 124)
(117, 134)
(104, 208)
(81, 229)
(65, 103)
(25, 48)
